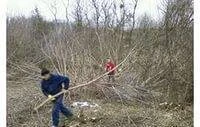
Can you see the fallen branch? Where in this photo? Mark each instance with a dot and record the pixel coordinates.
(85, 84)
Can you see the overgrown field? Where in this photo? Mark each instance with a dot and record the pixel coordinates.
(22, 98)
(154, 85)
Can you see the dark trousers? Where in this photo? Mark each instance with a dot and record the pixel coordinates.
(111, 77)
(59, 108)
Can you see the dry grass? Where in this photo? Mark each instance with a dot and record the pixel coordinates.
(110, 113)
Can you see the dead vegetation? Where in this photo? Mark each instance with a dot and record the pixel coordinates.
(154, 87)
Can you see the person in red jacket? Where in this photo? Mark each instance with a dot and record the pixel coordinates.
(108, 67)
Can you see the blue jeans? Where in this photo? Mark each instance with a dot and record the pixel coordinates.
(57, 108)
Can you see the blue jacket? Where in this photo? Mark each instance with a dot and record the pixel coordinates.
(53, 85)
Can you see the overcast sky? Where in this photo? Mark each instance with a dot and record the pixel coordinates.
(24, 7)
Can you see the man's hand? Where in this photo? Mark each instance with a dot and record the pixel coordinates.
(63, 88)
(51, 97)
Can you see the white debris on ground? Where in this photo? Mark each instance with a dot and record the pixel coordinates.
(85, 111)
(84, 104)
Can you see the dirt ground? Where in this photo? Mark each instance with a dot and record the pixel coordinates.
(21, 98)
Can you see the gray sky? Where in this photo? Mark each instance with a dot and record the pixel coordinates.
(24, 7)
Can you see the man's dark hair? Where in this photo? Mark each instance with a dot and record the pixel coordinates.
(44, 71)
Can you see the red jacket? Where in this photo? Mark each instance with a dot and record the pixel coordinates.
(109, 66)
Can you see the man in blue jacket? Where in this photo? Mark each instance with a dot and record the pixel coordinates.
(52, 84)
